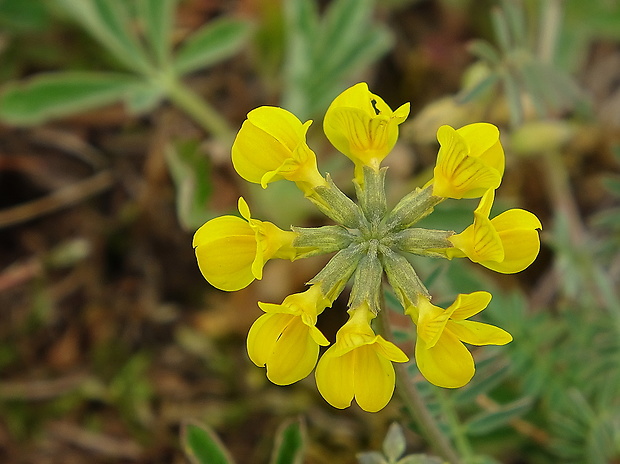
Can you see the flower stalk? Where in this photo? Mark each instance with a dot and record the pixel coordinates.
(416, 406)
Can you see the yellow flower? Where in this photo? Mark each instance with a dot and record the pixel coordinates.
(285, 339)
(358, 365)
(231, 251)
(470, 161)
(507, 243)
(271, 145)
(440, 354)
(362, 126)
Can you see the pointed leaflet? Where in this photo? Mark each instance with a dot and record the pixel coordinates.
(202, 446)
(290, 443)
(55, 95)
(110, 23)
(214, 42)
(158, 18)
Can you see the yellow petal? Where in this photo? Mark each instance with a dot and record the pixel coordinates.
(294, 355)
(334, 378)
(221, 227)
(318, 336)
(431, 321)
(255, 152)
(521, 248)
(271, 145)
(484, 206)
(348, 130)
(483, 141)
(226, 263)
(276, 243)
(280, 124)
(389, 351)
(448, 364)
(480, 241)
(354, 97)
(362, 126)
(373, 379)
(272, 308)
(516, 219)
(478, 333)
(263, 336)
(402, 112)
(457, 173)
(517, 229)
(468, 304)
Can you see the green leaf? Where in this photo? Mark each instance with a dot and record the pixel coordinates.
(515, 17)
(191, 172)
(202, 446)
(214, 42)
(607, 219)
(322, 53)
(501, 29)
(480, 460)
(421, 459)
(144, 98)
(513, 95)
(109, 21)
(325, 82)
(394, 444)
(485, 422)
(158, 18)
(54, 95)
(302, 27)
(290, 443)
(536, 88)
(478, 90)
(343, 24)
(371, 457)
(24, 16)
(484, 51)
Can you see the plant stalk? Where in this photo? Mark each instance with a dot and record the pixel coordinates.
(415, 405)
(200, 110)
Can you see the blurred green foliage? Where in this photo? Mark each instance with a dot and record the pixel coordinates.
(202, 445)
(552, 393)
(393, 451)
(524, 62)
(154, 70)
(323, 51)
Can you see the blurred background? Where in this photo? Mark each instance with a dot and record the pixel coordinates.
(116, 121)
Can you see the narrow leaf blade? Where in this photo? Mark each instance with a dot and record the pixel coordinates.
(54, 95)
(487, 421)
(480, 89)
(158, 19)
(290, 443)
(109, 23)
(394, 444)
(203, 446)
(212, 43)
(191, 174)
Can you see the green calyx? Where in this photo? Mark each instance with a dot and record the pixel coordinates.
(371, 241)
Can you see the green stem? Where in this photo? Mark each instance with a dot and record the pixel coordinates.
(200, 110)
(416, 406)
(564, 203)
(447, 408)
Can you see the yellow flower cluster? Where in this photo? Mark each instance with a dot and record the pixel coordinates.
(369, 241)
